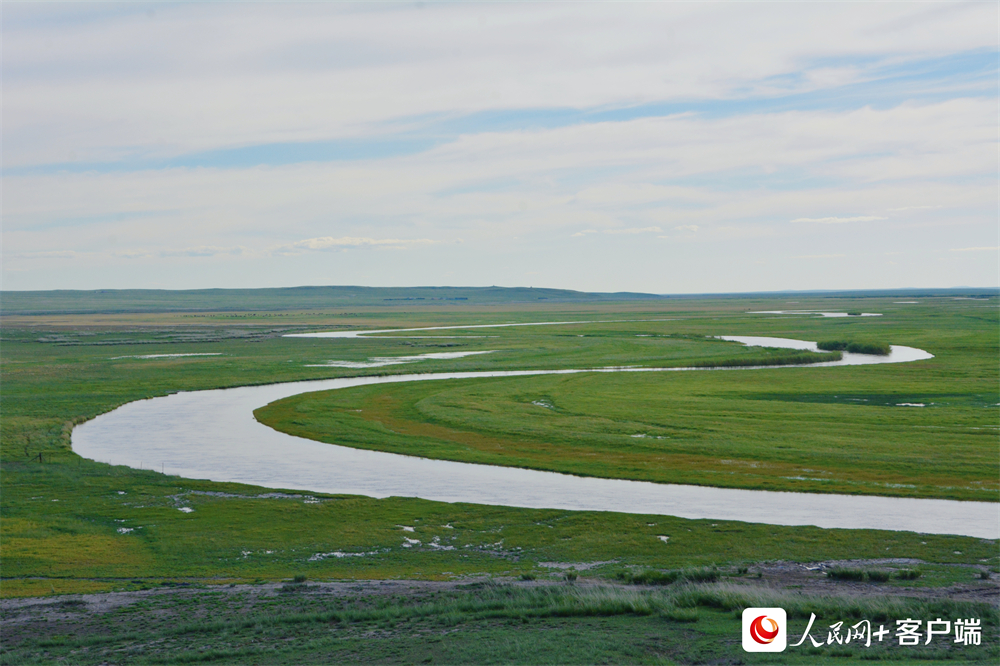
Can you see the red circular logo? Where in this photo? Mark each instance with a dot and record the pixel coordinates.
(760, 634)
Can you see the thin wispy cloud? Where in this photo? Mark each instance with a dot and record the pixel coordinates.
(995, 248)
(839, 220)
(328, 244)
(204, 251)
(131, 254)
(899, 210)
(635, 230)
(54, 254)
(627, 231)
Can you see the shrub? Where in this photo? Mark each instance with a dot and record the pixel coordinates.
(908, 574)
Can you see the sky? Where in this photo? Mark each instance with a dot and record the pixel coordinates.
(662, 147)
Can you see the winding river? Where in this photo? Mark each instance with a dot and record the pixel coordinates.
(213, 435)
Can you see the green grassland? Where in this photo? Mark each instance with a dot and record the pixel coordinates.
(73, 544)
(65, 520)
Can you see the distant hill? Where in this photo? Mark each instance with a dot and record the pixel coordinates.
(105, 301)
(109, 301)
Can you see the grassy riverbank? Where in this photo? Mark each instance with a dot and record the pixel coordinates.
(819, 430)
(87, 527)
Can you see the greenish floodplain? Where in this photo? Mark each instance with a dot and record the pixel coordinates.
(74, 526)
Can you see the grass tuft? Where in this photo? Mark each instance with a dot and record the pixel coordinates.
(908, 574)
(876, 348)
(656, 577)
(861, 575)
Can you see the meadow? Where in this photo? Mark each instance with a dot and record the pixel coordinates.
(76, 526)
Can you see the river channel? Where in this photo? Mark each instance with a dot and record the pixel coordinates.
(213, 435)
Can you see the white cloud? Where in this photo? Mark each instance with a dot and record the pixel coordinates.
(634, 230)
(975, 249)
(899, 210)
(105, 86)
(407, 197)
(347, 242)
(839, 220)
(204, 251)
(54, 254)
(117, 85)
(132, 254)
(634, 194)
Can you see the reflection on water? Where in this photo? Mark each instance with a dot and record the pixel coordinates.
(115, 358)
(213, 435)
(355, 334)
(380, 361)
(816, 312)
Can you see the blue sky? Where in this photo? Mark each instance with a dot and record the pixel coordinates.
(669, 148)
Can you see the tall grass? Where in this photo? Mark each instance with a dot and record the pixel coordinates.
(736, 597)
(232, 635)
(508, 601)
(860, 575)
(656, 577)
(797, 358)
(875, 348)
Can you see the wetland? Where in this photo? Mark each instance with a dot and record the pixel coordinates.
(847, 430)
